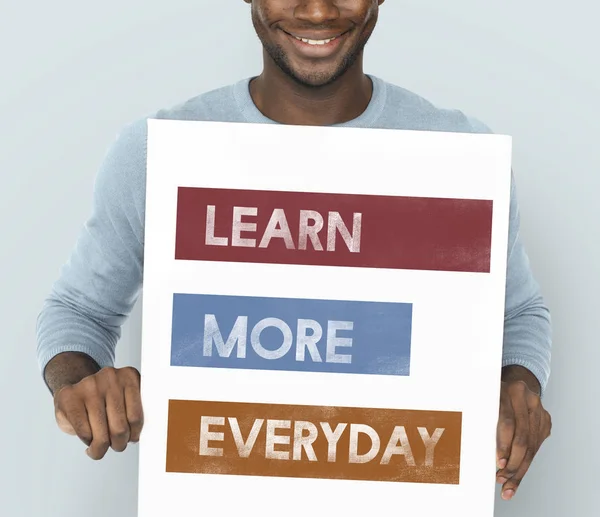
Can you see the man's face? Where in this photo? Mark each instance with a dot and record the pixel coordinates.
(314, 41)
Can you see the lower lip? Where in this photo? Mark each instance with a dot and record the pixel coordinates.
(317, 51)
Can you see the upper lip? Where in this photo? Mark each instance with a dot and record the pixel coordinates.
(315, 36)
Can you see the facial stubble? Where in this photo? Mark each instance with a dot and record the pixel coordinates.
(316, 80)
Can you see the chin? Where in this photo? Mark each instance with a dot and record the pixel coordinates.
(315, 78)
(301, 71)
(314, 81)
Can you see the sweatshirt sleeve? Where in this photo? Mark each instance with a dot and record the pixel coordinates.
(527, 322)
(99, 284)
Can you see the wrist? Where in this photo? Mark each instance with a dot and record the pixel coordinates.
(68, 368)
(516, 373)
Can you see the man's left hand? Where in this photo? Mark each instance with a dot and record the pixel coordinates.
(523, 426)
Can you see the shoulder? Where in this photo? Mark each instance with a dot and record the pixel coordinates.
(405, 108)
(211, 105)
(125, 159)
(218, 104)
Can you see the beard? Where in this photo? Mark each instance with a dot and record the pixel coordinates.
(316, 79)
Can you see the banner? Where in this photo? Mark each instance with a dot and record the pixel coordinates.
(323, 316)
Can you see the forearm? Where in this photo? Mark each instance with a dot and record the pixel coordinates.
(64, 326)
(527, 322)
(101, 280)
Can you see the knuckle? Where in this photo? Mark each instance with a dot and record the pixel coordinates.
(107, 370)
(130, 370)
(136, 420)
(107, 374)
(518, 387)
(120, 432)
(130, 374)
(85, 437)
(88, 386)
(507, 421)
(91, 379)
(108, 379)
(521, 441)
(103, 442)
(546, 424)
(83, 432)
(101, 439)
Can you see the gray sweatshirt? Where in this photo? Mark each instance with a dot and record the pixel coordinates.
(102, 279)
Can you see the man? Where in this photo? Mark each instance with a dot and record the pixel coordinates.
(312, 75)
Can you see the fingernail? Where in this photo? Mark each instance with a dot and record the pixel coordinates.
(87, 451)
(502, 480)
(508, 494)
(502, 463)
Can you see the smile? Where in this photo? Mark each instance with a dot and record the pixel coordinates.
(317, 45)
(316, 41)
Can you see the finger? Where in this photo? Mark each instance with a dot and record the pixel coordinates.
(133, 408)
(118, 427)
(546, 425)
(505, 431)
(510, 486)
(535, 421)
(520, 442)
(135, 415)
(71, 415)
(96, 410)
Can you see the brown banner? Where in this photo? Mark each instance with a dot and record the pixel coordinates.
(313, 442)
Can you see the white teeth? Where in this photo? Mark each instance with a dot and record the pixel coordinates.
(315, 41)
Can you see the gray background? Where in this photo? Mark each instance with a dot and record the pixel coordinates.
(73, 73)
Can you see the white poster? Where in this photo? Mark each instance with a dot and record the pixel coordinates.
(322, 320)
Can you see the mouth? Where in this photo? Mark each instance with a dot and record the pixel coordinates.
(310, 41)
(316, 45)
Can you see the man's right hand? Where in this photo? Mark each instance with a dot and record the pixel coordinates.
(103, 409)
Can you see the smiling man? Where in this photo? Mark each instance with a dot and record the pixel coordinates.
(312, 75)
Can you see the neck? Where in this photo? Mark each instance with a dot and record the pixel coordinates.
(283, 100)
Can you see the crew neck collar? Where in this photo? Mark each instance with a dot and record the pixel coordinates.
(367, 118)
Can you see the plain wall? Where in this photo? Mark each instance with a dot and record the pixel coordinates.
(73, 73)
